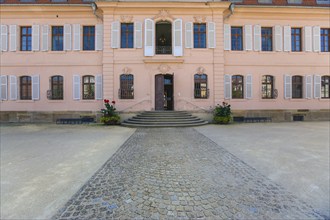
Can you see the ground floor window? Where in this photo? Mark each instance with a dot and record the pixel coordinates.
(25, 88)
(200, 86)
(88, 87)
(267, 87)
(325, 87)
(297, 87)
(126, 90)
(57, 87)
(237, 87)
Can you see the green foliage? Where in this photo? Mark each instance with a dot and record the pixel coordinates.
(222, 113)
(110, 116)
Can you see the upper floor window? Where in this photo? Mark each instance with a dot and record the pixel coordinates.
(89, 38)
(297, 87)
(325, 87)
(199, 35)
(127, 33)
(237, 86)
(126, 90)
(295, 39)
(26, 38)
(57, 38)
(267, 39)
(325, 38)
(88, 87)
(57, 87)
(267, 87)
(200, 86)
(25, 88)
(236, 38)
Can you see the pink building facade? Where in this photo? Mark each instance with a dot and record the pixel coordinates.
(62, 58)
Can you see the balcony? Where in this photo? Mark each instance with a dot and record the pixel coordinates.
(163, 50)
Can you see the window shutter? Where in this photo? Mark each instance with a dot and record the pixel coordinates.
(248, 87)
(177, 30)
(189, 35)
(12, 37)
(99, 37)
(3, 87)
(35, 37)
(278, 38)
(308, 87)
(227, 37)
(76, 37)
(211, 35)
(308, 38)
(76, 87)
(4, 38)
(316, 39)
(149, 41)
(35, 87)
(115, 34)
(227, 86)
(257, 37)
(317, 86)
(45, 30)
(287, 38)
(287, 87)
(67, 45)
(138, 34)
(13, 87)
(248, 37)
(99, 88)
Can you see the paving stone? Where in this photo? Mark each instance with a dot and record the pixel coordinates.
(178, 173)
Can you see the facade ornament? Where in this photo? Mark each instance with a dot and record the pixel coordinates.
(163, 15)
(127, 70)
(163, 68)
(200, 19)
(126, 18)
(200, 70)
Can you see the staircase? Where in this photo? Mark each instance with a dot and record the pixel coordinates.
(164, 119)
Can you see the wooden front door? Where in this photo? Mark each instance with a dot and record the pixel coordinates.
(159, 92)
(164, 92)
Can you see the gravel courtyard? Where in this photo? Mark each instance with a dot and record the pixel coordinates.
(179, 173)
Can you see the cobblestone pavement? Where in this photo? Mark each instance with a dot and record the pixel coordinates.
(177, 173)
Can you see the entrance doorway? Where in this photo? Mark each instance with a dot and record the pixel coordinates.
(164, 92)
(163, 37)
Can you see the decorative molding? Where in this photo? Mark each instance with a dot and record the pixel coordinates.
(126, 18)
(163, 15)
(127, 70)
(200, 19)
(164, 68)
(200, 70)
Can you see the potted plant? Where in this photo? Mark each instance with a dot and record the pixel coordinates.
(110, 116)
(222, 113)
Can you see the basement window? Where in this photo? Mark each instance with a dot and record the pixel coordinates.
(297, 2)
(265, 1)
(323, 2)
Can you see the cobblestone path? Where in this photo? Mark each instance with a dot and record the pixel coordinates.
(177, 173)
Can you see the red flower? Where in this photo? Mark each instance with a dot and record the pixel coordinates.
(106, 101)
(113, 102)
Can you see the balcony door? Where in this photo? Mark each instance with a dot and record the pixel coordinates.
(163, 37)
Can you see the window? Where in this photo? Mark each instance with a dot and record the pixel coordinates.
(267, 87)
(25, 88)
(236, 38)
(265, 1)
(200, 88)
(325, 87)
(297, 87)
(89, 38)
(199, 35)
(126, 90)
(267, 39)
(320, 2)
(237, 87)
(26, 38)
(325, 38)
(57, 87)
(57, 38)
(127, 33)
(295, 39)
(88, 87)
(294, 1)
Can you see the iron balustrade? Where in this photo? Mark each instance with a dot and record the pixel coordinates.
(163, 50)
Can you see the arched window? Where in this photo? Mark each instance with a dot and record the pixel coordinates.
(267, 87)
(237, 87)
(25, 88)
(126, 90)
(200, 88)
(88, 87)
(297, 87)
(56, 86)
(325, 87)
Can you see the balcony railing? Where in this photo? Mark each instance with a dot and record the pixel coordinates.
(163, 50)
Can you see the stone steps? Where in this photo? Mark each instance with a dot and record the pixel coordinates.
(164, 119)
